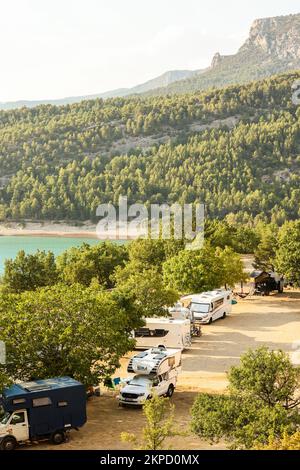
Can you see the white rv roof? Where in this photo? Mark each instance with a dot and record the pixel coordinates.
(151, 353)
(207, 296)
(165, 321)
(149, 362)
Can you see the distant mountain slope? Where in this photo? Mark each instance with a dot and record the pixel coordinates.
(273, 47)
(163, 80)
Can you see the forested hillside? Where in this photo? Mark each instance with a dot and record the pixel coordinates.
(236, 149)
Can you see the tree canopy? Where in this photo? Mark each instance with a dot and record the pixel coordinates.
(62, 330)
(85, 263)
(30, 271)
(203, 270)
(262, 403)
(287, 259)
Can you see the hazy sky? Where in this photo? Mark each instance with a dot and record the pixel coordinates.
(58, 48)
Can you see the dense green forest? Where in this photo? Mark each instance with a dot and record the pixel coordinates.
(61, 162)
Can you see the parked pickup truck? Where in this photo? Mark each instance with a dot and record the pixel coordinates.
(141, 388)
(42, 409)
(156, 372)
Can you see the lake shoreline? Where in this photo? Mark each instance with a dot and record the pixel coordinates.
(11, 245)
(48, 229)
(27, 233)
(58, 230)
(45, 234)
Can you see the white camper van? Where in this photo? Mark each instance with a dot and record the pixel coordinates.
(178, 312)
(156, 372)
(209, 306)
(164, 331)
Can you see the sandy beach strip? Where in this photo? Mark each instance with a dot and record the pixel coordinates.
(48, 229)
(56, 229)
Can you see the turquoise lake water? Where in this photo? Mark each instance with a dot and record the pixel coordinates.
(9, 246)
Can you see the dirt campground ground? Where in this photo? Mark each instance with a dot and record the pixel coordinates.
(273, 321)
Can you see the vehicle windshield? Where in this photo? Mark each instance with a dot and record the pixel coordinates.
(200, 308)
(4, 417)
(139, 382)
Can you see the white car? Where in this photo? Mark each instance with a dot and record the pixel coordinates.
(142, 387)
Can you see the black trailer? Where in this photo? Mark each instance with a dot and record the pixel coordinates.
(266, 282)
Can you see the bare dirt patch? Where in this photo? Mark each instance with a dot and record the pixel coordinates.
(106, 421)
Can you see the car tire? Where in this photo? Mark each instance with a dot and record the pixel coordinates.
(58, 437)
(8, 443)
(170, 391)
(210, 321)
(224, 315)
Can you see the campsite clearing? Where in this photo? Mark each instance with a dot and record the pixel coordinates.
(272, 321)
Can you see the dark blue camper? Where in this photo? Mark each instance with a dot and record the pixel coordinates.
(41, 409)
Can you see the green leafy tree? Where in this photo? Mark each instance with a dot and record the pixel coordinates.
(222, 234)
(159, 414)
(231, 266)
(147, 252)
(150, 252)
(147, 290)
(83, 264)
(201, 270)
(287, 261)
(2, 212)
(287, 442)
(241, 421)
(63, 330)
(219, 233)
(261, 403)
(5, 381)
(245, 239)
(265, 252)
(141, 276)
(268, 376)
(30, 271)
(193, 271)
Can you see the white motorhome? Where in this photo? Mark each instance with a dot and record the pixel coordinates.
(209, 306)
(156, 372)
(163, 331)
(178, 312)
